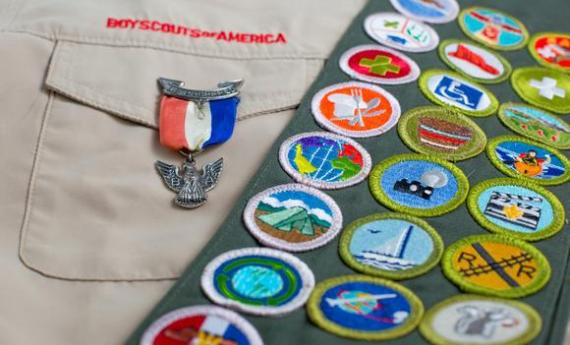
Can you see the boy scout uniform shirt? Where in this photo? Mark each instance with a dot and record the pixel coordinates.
(89, 237)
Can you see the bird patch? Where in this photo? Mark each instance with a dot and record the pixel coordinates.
(429, 11)
(551, 49)
(545, 88)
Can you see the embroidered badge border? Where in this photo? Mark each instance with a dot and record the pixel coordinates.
(521, 88)
(537, 57)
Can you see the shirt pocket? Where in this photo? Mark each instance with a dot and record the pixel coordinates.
(97, 209)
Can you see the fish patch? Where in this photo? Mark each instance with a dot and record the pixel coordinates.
(364, 308)
(546, 88)
(496, 265)
(391, 245)
(429, 11)
(419, 185)
(293, 217)
(324, 160)
(355, 109)
(551, 49)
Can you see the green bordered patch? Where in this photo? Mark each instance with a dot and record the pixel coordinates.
(536, 124)
(493, 28)
(364, 308)
(391, 245)
(523, 158)
(516, 208)
(293, 217)
(199, 324)
(551, 49)
(441, 132)
(474, 61)
(546, 88)
(451, 89)
(259, 281)
(418, 184)
(496, 265)
(473, 319)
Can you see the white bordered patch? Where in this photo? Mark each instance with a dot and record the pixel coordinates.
(356, 109)
(437, 12)
(293, 217)
(259, 281)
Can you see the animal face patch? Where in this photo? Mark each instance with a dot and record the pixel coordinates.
(551, 49)
(429, 11)
(545, 88)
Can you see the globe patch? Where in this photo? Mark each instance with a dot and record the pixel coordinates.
(546, 88)
(551, 49)
(441, 11)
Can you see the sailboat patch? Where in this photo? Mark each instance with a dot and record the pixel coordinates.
(391, 245)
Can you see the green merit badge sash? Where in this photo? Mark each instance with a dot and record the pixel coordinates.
(472, 233)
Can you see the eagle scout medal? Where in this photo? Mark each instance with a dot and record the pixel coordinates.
(429, 11)
(364, 308)
(293, 217)
(536, 124)
(419, 185)
(496, 265)
(391, 245)
(259, 281)
(516, 208)
(191, 121)
(493, 28)
(551, 49)
(378, 64)
(474, 62)
(451, 89)
(399, 32)
(473, 319)
(356, 109)
(546, 88)
(324, 160)
(519, 157)
(441, 132)
(201, 325)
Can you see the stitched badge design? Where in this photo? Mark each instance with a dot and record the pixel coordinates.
(399, 32)
(365, 308)
(545, 88)
(442, 133)
(536, 124)
(324, 160)
(451, 89)
(418, 184)
(474, 61)
(551, 49)
(516, 208)
(496, 265)
(201, 325)
(293, 217)
(377, 64)
(472, 319)
(391, 245)
(493, 28)
(260, 281)
(429, 11)
(519, 157)
(356, 109)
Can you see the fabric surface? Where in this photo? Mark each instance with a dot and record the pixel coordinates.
(357, 201)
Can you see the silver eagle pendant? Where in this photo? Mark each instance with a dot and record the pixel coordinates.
(191, 183)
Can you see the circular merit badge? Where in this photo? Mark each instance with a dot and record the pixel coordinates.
(474, 61)
(399, 32)
(496, 265)
(293, 217)
(378, 64)
(451, 89)
(430, 11)
(536, 124)
(391, 245)
(551, 49)
(191, 325)
(418, 184)
(545, 88)
(493, 28)
(473, 320)
(516, 208)
(259, 281)
(356, 109)
(439, 132)
(519, 157)
(364, 308)
(324, 160)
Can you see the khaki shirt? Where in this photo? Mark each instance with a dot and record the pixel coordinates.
(89, 237)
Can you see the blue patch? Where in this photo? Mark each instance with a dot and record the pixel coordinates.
(518, 157)
(458, 92)
(423, 9)
(292, 198)
(509, 32)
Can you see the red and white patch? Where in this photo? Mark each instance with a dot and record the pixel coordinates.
(552, 50)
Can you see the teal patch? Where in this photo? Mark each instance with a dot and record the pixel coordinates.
(545, 88)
